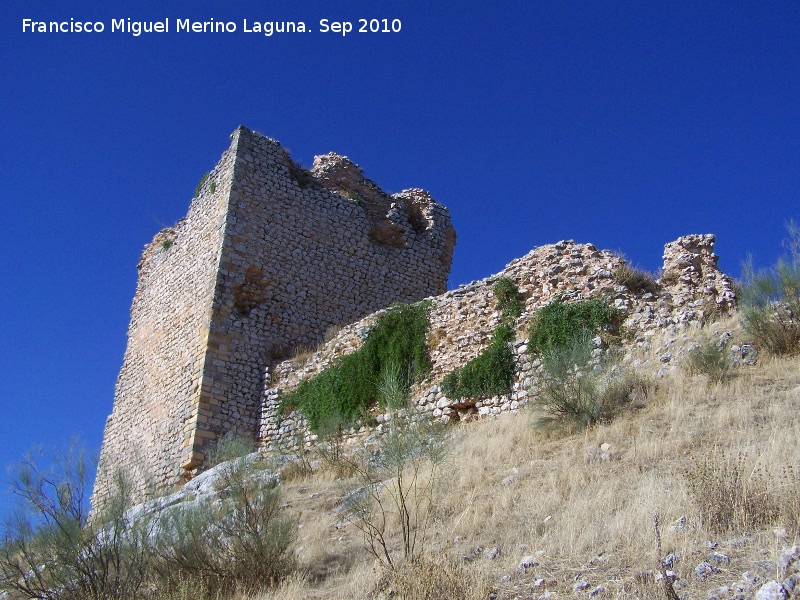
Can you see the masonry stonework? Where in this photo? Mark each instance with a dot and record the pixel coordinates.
(272, 257)
(269, 257)
(691, 290)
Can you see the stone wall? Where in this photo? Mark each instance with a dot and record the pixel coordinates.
(162, 371)
(691, 290)
(272, 257)
(269, 258)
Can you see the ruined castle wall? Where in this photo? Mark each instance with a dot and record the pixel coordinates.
(462, 322)
(272, 256)
(305, 251)
(159, 382)
(268, 258)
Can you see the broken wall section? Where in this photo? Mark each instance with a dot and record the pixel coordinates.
(462, 321)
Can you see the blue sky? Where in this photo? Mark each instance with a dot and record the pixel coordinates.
(625, 124)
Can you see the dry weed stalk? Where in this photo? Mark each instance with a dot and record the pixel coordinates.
(396, 482)
(666, 580)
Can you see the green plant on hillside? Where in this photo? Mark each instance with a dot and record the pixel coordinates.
(238, 541)
(770, 301)
(508, 301)
(397, 480)
(488, 374)
(580, 392)
(350, 385)
(567, 392)
(330, 447)
(712, 359)
(558, 324)
(167, 244)
(51, 550)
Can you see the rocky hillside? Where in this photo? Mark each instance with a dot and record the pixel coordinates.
(525, 512)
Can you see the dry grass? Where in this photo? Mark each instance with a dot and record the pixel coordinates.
(635, 279)
(434, 578)
(303, 352)
(583, 512)
(575, 510)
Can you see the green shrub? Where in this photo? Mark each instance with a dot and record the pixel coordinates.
(556, 325)
(770, 302)
(508, 301)
(397, 482)
(488, 374)
(239, 541)
(575, 391)
(711, 359)
(206, 549)
(344, 390)
(203, 179)
(51, 550)
(567, 391)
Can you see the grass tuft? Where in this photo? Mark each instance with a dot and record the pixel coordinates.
(229, 447)
(732, 492)
(636, 280)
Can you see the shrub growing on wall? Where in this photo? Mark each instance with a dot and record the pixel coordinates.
(558, 324)
(342, 391)
(200, 183)
(488, 374)
(507, 294)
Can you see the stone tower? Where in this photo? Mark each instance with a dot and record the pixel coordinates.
(268, 258)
